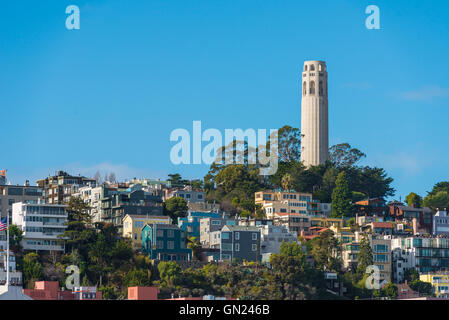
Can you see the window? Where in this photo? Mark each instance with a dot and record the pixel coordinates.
(170, 245)
(312, 87)
(237, 236)
(312, 67)
(237, 247)
(138, 224)
(170, 233)
(254, 236)
(254, 247)
(225, 235)
(305, 68)
(304, 91)
(226, 247)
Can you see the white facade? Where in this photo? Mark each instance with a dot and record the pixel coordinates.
(41, 225)
(91, 196)
(314, 114)
(273, 236)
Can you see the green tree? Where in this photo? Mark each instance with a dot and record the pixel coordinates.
(343, 155)
(195, 246)
(390, 290)
(137, 277)
(414, 200)
(424, 288)
(78, 210)
(365, 256)
(15, 237)
(287, 182)
(440, 186)
(410, 274)
(176, 180)
(169, 272)
(32, 269)
(439, 200)
(341, 197)
(326, 252)
(176, 207)
(289, 144)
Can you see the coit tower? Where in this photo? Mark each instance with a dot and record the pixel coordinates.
(314, 114)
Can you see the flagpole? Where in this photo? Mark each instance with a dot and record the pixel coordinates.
(7, 251)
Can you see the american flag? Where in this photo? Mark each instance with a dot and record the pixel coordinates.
(3, 225)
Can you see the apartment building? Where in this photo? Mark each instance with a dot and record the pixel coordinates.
(237, 242)
(326, 222)
(92, 196)
(133, 224)
(57, 189)
(273, 202)
(210, 225)
(41, 225)
(271, 238)
(424, 254)
(191, 223)
(294, 222)
(441, 223)
(439, 282)
(118, 204)
(381, 250)
(10, 194)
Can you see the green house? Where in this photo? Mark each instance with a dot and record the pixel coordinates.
(165, 242)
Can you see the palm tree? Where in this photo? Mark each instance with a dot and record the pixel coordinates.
(195, 246)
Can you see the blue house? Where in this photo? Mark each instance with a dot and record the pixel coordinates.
(191, 223)
(165, 242)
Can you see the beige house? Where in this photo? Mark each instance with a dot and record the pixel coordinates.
(273, 202)
(133, 224)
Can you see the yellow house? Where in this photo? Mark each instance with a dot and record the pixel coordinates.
(327, 222)
(439, 282)
(133, 224)
(273, 202)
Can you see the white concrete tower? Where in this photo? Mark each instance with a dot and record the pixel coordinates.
(314, 114)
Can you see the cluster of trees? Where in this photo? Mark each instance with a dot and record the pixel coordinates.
(287, 277)
(339, 179)
(437, 198)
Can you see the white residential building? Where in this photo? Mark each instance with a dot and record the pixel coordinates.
(271, 238)
(41, 225)
(92, 196)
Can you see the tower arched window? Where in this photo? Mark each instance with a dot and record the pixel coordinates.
(304, 88)
(305, 68)
(312, 67)
(320, 88)
(312, 87)
(320, 68)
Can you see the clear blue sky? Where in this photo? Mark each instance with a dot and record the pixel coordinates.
(107, 96)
